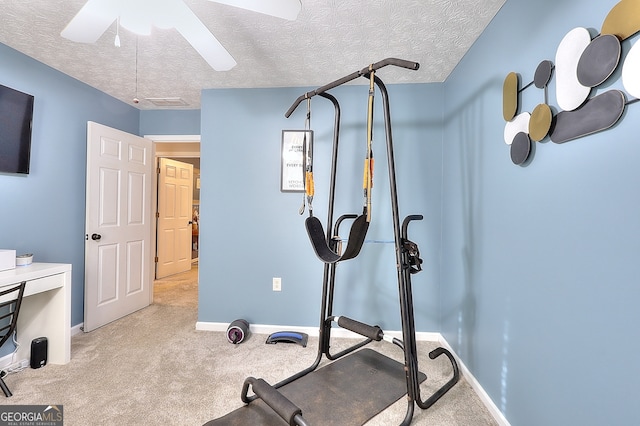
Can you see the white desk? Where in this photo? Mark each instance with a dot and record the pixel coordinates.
(46, 308)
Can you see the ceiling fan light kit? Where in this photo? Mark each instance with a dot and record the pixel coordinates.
(139, 16)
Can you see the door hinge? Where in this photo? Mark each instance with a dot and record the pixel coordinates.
(157, 215)
(155, 259)
(158, 170)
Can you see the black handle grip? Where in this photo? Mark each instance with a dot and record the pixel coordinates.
(369, 331)
(397, 63)
(405, 223)
(274, 399)
(373, 67)
(341, 218)
(96, 237)
(297, 102)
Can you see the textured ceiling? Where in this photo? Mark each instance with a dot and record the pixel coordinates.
(330, 39)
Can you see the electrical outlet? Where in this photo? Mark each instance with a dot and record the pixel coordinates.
(277, 284)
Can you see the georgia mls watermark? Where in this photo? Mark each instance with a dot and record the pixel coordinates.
(31, 415)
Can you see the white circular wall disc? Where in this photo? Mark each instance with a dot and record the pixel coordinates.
(520, 123)
(570, 94)
(631, 71)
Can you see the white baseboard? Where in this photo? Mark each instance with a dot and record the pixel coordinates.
(6, 361)
(311, 331)
(256, 328)
(77, 329)
(479, 390)
(342, 333)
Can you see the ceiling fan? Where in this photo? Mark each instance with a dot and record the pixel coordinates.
(138, 16)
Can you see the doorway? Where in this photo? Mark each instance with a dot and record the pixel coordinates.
(174, 217)
(195, 206)
(186, 149)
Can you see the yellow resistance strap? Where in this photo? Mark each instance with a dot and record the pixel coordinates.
(308, 175)
(367, 180)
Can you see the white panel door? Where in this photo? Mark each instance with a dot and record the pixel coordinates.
(118, 233)
(175, 214)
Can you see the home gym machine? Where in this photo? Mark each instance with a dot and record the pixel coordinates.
(364, 379)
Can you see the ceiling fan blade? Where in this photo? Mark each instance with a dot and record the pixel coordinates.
(286, 9)
(199, 36)
(91, 21)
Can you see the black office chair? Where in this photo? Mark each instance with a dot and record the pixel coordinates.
(10, 301)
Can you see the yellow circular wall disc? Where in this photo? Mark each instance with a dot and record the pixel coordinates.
(540, 122)
(510, 96)
(623, 19)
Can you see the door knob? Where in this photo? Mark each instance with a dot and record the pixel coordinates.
(96, 237)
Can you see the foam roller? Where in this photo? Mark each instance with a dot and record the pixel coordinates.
(274, 399)
(372, 332)
(237, 331)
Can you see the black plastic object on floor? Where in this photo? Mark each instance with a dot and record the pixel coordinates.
(288, 337)
(366, 379)
(237, 331)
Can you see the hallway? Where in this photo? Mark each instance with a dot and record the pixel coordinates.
(178, 290)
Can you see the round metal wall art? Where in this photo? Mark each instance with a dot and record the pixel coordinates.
(570, 93)
(623, 20)
(510, 96)
(631, 71)
(543, 73)
(520, 123)
(540, 122)
(520, 148)
(599, 60)
(581, 64)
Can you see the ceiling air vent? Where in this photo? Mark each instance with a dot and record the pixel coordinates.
(167, 102)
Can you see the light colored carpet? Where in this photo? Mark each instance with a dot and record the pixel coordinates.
(154, 368)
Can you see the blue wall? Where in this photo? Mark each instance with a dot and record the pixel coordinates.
(252, 232)
(529, 271)
(170, 122)
(536, 289)
(43, 213)
(539, 273)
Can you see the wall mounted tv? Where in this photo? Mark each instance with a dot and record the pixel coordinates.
(16, 115)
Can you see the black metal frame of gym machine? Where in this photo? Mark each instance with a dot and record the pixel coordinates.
(403, 264)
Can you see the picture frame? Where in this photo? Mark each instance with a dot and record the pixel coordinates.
(295, 143)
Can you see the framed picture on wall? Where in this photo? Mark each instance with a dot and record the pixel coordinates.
(295, 143)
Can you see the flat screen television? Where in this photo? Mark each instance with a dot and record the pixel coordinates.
(16, 116)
